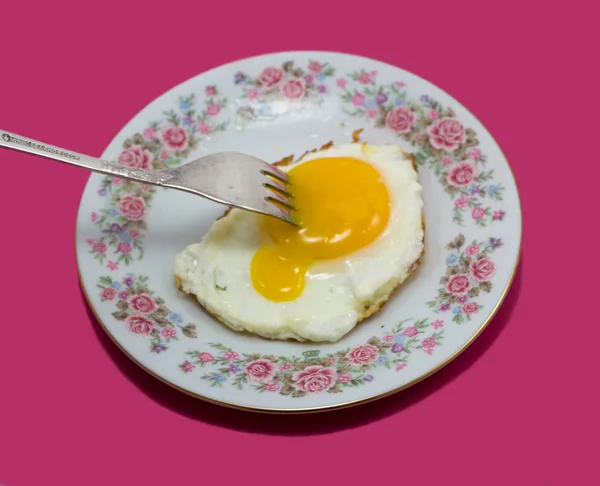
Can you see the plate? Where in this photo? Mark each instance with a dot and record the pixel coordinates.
(272, 106)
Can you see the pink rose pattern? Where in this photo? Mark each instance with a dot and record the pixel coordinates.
(271, 76)
(99, 247)
(482, 270)
(132, 208)
(363, 355)
(137, 157)
(440, 139)
(139, 324)
(314, 373)
(205, 358)
(411, 331)
(472, 249)
(261, 370)
(314, 379)
(204, 128)
(166, 143)
(458, 284)
(358, 99)
(142, 312)
(108, 293)
(341, 82)
(124, 248)
(434, 114)
(478, 213)
(345, 378)
(174, 138)
(272, 386)
(293, 89)
(400, 120)
(469, 273)
(462, 173)
(315, 67)
(288, 82)
(213, 109)
(447, 134)
(168, 332)
(142, 303)
(470, 308)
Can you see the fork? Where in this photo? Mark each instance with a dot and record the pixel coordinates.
(230, 178)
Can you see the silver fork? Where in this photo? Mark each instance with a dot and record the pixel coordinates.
(229, 178)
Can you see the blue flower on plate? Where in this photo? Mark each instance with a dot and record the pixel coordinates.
(400, 339)
(452, 259)
(369, 378)
(370, 103)
(124, 236)
(239, 77)
(399, 102)
(116, 285)
(114, 212)
(102, 192)
(184, 105)
(424, 98)
(457, 310)
(492, 190)
(382, 360)
(220, 378)
(320, 77)
(176, 318)
(188, 121)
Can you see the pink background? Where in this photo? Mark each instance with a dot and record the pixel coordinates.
(519, 407)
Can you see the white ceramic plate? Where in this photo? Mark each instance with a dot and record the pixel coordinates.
(273, 106)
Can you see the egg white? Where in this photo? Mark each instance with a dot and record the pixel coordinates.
(338, 293)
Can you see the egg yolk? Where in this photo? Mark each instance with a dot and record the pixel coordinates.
(342, 206)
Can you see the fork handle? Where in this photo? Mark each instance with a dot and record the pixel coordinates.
(24, 144)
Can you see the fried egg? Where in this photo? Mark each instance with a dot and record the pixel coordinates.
(360, 235)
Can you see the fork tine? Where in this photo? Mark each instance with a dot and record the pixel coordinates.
(280, 196)
(280, 202)
(279, 199)
(278, 188)
(276, 174)
(282, 213)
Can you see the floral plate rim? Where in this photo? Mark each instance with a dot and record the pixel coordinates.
(342, 404)
(305, 410)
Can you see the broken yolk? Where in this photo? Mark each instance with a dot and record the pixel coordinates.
(342, 206)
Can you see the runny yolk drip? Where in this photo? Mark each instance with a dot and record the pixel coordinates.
(343, 205)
